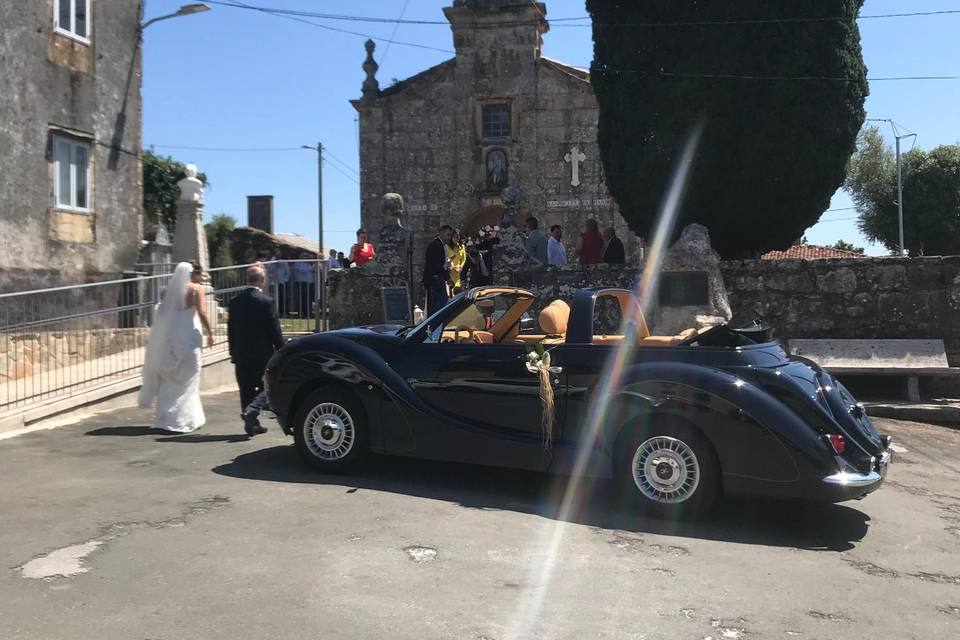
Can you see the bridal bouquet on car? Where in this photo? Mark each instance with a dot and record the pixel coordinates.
(537, 362)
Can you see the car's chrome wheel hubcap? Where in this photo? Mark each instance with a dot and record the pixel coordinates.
(666, 470)
(329, 431)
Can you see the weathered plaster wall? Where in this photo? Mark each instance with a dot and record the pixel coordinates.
(422, 138)
(851, 298)
(49, 80)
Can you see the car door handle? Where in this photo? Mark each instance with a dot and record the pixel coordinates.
(556, 369)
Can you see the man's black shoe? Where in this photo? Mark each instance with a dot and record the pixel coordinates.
(252, 426)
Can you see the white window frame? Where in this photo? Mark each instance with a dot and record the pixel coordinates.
(71, 145)
(69, 30)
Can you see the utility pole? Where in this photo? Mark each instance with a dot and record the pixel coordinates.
(899, 195)
(898, 137)
(321, 317)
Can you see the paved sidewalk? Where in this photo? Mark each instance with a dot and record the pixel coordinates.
(113, 531)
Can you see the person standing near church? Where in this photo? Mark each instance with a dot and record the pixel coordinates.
(556, 252)
(536, 244)
(280, 280)
(612, 247)
(362, 251)
(305, 276)
(333, 262)
(590, 244)
(457, 255)
(436, 270)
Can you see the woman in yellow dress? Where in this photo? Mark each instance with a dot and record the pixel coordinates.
(457, 255)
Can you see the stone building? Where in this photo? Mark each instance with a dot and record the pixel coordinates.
(450, 138)
(70, 140)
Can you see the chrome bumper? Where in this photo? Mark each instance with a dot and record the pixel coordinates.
(879, 472)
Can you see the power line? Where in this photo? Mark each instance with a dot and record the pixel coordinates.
(279, 13)
(375, 19)
(344, 173)
(733, 76)
(334, 160)
(393, 34)
(238, 149)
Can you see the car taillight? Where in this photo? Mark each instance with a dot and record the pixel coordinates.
(837, 442)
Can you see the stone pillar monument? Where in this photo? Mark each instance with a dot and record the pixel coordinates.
(190, 240)
(394, 239)
(691, 290)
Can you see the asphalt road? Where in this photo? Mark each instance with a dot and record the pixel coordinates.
(213, 536)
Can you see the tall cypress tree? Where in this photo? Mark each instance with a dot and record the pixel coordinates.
(780, 87)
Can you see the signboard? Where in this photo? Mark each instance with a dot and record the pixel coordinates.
(576, 203)
(396, 305)
(684, 289)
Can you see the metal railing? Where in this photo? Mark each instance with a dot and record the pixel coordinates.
(61, 341)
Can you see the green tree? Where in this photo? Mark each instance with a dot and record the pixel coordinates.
(843, 245)
(931, 195)
(773, 151)
(160, 192)
(219, 233)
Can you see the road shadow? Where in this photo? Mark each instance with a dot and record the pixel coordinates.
(167, 436)
(197, 438)
(125, 431)
(812, 526)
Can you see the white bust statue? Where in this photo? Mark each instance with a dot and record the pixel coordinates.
(191, 188)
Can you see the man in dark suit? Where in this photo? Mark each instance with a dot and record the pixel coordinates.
(436, 270)
(254, 334)
(612, 247)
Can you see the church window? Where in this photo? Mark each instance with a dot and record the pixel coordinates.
(71, 174)
(496, 121)
(72, 18)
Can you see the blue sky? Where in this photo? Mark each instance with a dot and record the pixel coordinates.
(233, 78)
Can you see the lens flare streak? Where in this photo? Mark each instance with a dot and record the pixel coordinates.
(528, 613)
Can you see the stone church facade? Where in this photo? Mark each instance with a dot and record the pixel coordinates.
(499, 113)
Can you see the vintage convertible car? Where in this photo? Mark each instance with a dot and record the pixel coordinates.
(682, 418)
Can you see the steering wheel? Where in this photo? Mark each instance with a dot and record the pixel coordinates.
(469, 330)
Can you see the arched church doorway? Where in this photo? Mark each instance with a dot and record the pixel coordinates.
(483, 216)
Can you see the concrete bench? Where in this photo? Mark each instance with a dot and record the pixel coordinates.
(908, 358)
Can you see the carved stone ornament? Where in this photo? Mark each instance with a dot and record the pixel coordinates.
(191, 188)
(392, 206)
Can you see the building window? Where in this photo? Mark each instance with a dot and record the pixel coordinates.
(71, 174)
(496, 121)
(72, 17)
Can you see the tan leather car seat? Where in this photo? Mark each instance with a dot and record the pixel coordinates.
(554, 318)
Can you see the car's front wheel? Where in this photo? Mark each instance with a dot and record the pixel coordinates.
(671, 471)
(330, 432)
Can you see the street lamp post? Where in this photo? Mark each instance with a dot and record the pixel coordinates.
(185, 10)
(321, 280)
(898, 137)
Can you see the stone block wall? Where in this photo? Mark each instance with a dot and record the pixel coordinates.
(850, 298)
(23, 355)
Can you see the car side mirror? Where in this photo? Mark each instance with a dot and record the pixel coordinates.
(436, 333)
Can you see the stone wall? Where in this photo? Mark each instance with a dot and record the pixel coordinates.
(23, 355)
(850, 298)
(88, 91)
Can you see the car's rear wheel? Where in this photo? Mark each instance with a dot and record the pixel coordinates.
(668, 470)
(330, 431)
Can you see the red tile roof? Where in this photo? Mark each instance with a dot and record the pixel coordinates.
(809, 252)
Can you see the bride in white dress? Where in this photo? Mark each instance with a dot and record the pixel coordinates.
(171, 367)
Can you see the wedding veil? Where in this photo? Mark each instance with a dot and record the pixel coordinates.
(159, 339)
